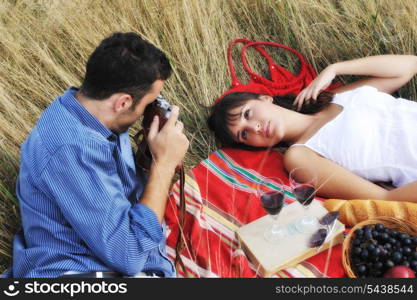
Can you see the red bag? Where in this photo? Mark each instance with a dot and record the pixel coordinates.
(282, 81)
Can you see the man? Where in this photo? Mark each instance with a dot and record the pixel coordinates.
(84, 206)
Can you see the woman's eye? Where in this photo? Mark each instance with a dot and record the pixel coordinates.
(246, 114)
(244, 134)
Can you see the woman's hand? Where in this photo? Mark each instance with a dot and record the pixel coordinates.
(315, 87)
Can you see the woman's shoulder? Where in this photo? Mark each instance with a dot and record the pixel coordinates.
(297, 153)
(359, 92)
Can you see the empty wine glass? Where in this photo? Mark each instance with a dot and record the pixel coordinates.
(273, 201)
(303, 181)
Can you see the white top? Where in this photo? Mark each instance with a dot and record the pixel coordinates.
(375, 136)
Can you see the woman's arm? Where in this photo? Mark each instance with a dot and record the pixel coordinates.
(387, 73)
(335, 181)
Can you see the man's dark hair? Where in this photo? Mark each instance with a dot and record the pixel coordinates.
(124, 63)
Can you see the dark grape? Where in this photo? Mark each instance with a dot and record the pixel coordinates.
(383, 251)
(384, 236)
(356, 242)
(374, 242)
(368, 235)
(361, 269)
(406, 263)
(388, 246)
(407, 250)
(414, 255)
(393, 233)
(370, 247)
(392, 241)
(378, 265)
(364, 253)
(403, 236)
(366, 227)
(396, 256)
(357, 250)
(376, 252)
(407, 242)
(359, 232)
(389, 263)
(413, 265)
(379, 227)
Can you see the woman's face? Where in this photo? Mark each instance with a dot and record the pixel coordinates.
(257, 123)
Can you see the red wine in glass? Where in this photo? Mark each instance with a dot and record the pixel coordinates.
(304, 193)
(302, 181)
(272, 202)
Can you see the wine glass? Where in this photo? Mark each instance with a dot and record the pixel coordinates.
(273, 201)
(303, 181)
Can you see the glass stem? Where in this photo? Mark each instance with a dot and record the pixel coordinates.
(275, 227)
(306, 209)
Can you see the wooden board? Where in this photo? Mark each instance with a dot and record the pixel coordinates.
(270, 258)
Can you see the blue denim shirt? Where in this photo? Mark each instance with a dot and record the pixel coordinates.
(78, 190)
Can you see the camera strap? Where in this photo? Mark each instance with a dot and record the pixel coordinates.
(180, 238)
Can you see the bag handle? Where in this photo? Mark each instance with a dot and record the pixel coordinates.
(282, 81)
(235, 80)
(280, 77)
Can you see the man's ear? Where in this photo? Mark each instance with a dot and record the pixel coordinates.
(122, 102)
(266, 98)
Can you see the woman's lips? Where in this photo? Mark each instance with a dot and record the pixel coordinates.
(266, 129)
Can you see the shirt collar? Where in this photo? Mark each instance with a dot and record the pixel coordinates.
(69, 101)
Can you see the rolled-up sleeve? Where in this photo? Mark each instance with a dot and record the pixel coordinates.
(85, 185)
(145, 224)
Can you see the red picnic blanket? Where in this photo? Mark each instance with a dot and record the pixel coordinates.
(220, 197)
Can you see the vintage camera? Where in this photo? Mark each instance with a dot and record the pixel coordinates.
(161, 108)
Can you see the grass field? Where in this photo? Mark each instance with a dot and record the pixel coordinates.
(44, 45)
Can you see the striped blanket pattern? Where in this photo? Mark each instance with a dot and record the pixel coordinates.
(220, 197)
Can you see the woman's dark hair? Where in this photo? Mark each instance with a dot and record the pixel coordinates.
(220, 116)
(124, 63)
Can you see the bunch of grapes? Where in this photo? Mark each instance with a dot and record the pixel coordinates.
(375, 249)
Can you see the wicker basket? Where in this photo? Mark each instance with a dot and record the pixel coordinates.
(392, 223)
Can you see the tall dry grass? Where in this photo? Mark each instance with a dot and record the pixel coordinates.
(44, 45)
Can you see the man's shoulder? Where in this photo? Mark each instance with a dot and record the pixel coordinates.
(57, 127)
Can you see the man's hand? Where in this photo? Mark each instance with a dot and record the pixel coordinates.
(169, 145)
(168, 148)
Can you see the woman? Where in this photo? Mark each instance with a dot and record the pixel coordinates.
(357, 136)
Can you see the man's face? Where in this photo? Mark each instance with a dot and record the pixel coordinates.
(128, 117)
